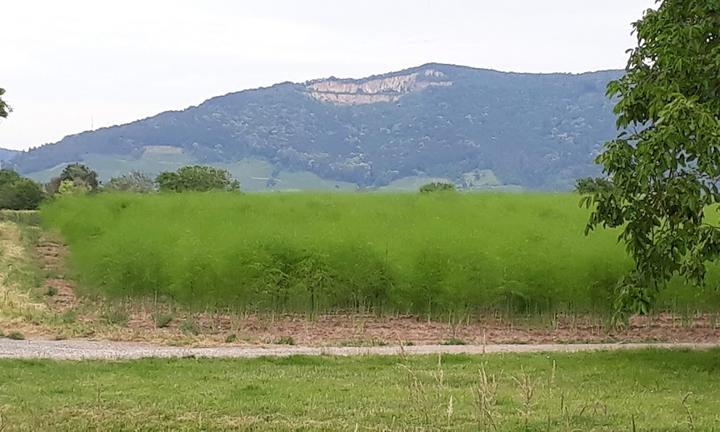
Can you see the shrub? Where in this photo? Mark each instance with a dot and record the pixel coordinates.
(8, 176)
(437, 187)
(162, 320)
(74, 179)
(189, 326)
(19, 193)
(196, 178)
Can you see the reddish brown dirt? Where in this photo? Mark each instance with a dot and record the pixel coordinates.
(371, 330)
(52, 256)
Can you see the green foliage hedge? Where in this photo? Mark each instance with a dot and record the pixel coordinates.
(429, 254)
(437, 187)
(18, 193)
(196, 178)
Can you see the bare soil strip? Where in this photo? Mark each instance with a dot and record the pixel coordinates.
(93, 350)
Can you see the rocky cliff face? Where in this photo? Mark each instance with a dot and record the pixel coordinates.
(385, 89)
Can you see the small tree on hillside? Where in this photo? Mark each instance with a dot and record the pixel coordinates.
(196, 178)
(665, 162)
(437, 187)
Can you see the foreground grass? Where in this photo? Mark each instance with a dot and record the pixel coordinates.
(436, 254)
(655, 390)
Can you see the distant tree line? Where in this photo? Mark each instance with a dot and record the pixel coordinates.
(20, 193)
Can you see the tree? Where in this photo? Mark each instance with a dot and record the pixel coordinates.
(4, 107)
(68, 187)
(8, 176)
(437, 187)
(135, 181)
(74, 176)
(196, 178)
(18, 193)
(81, 175)
(665, 162)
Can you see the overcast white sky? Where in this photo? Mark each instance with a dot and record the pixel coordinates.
(67, 65)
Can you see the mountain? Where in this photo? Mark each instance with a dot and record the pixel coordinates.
(476, 127)
(7, 154)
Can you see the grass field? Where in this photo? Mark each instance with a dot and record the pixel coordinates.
(657, 390)
(435, 255)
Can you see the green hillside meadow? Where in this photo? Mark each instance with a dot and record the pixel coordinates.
(432, 254)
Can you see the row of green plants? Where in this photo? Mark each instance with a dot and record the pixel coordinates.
(433, 254)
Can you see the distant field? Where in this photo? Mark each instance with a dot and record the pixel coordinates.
(618, 391)
(254, 174)
(388, 253)
(257, 175)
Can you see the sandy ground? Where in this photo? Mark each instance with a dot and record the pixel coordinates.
(93, 350)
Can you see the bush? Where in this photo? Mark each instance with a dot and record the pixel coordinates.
(8, 176)
(190, 327)
(74, 179)
(437, 187)
(19, 193)
(196, 178)
(162, 320)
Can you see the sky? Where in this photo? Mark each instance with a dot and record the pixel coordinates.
(75, 65)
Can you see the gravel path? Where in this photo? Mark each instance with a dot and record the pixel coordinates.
(93, 350)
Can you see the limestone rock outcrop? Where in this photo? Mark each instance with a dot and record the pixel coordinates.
(373, 90)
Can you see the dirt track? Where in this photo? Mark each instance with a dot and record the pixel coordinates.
(92, 350)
